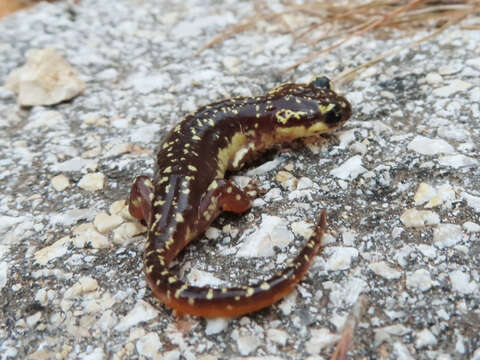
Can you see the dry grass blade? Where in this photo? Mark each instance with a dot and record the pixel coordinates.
(317, 22)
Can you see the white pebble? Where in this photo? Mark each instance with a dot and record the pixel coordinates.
(471, 227)
(320, 339)
(350, 169)
(141, 312)
(340, 258)
(92, 182)
(461, 282)
(425, 338)
(419, 279)
(427, 146)
(419, 218)
(60, 182)
(272, 232)
(216, 326)
(447, 235)
(383, 269)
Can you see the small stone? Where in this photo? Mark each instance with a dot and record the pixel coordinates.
(340, 258)
(454, 87)
(458, 161)
(472, 201)
(427, 146)
(286, 180)
(3, 274)
(216, 326)
(33, 320)
(141, 312)
(384, 270)
(272, 232)
(434, 78)
(86, 234)
(149, 345)
(231, 63)
(92, 182)
(105, 223)
(204, 278)
(447, 235)
(419, 218)
(401, 352)
(350, 169)
(419, 279)
(443, 194)
(471, 227)
(461, 282)
(277, 336)
(57, 249)
(171, 355)
(60, 182)
(303, 229)
(45, 119)
(124, 234)
(247, 344)
(45, 79)
(84, 285)
(320, 339)
(385, 333)
(424, 339)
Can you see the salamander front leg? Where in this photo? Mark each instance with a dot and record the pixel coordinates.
(141, 197)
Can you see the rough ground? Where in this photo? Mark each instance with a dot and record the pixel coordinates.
(401, 182)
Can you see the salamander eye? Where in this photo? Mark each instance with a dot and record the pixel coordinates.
(334, 115)
(321, 82)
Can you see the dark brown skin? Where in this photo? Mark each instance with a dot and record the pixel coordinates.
(189, 190)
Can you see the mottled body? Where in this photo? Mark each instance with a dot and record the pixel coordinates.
(189, 189)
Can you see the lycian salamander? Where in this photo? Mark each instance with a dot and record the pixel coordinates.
(189, 190)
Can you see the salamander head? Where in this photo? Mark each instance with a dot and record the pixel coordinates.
(308, 109)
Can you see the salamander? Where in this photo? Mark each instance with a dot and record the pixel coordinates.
(190, 190)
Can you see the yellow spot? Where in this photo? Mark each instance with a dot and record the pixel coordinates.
(229, 307)
(179, 291)
(250, 292)
(148, 183)
(258, 117)
(191, 301)
(162, 180)
(186, 191)
(169, 294)
(229, 190)
(177, 128)
(238, 197)
(224, 290)
(151, 196)
(311, 244)
(179, 217)
(211, 122)
(164, 272)
(325, 108)
(209, 294)
(306, 258)
(149, 269)
(159, 203)
(196, 137)
(191, 168)
(167, 170)
(172, 279)
(158, 282)
(284, 115)
(265, 286)
(237, 298)
(213, 185)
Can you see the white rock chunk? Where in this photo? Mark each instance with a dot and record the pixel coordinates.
(472, 201)
(447, 235)
(427, 146)
(350, 169)
(149, 345)
(45, 79)
(60, 182)
(321, 338)
(425, 338)
(419, 218)
(92, 182)
(3, 274)
(340, 258)
(57, 249)
(383, 269)
(216, 326)
(272, 232)
(461, 282)
(420, 280)
(458, 161)
(141, 312)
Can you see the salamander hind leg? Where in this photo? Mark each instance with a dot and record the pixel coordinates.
(141, 196)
